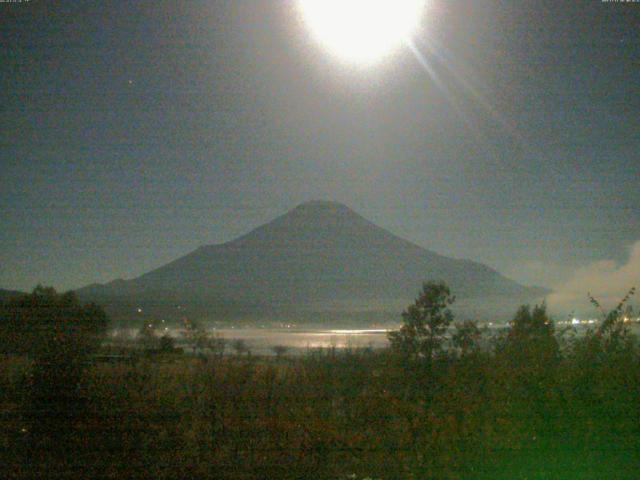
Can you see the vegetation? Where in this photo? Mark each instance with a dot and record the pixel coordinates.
(530, 405)
(196, 335)
(56, 336)
(167, 344)
(425, 323)
(279, 350)
(50, 326)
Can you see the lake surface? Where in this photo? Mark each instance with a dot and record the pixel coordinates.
(261, 341)
(298, 340)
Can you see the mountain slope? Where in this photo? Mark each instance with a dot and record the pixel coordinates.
(316, 254)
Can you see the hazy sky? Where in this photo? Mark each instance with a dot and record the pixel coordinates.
(133, 132)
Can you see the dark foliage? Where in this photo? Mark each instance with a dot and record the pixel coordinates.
(425, 323)
(58, 335)
(524, 408)
(167, 344)
(51, 327)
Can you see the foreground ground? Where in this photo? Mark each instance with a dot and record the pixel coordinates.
(357, 414)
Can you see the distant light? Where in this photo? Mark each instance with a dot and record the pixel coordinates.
(139, 310)
(575, 321)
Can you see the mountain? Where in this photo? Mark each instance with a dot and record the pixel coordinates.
(319, 257)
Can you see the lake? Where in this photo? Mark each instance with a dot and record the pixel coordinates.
(299, 340)
(262, 340)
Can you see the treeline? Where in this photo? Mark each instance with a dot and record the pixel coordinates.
(530, 405)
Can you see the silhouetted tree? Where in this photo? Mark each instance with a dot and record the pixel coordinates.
(528, 358)
(531, 337)
(195, 335)
(612, 338)
(59, 334)
(613, 332)
(51, 327)
(167, 344)
(466, 338)
(425, 323)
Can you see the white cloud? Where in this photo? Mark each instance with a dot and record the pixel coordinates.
(607, 281)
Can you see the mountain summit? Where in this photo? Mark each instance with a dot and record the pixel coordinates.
(319, 256)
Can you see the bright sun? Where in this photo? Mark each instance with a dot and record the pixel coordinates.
(362, 31)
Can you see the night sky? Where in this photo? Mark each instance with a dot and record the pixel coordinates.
(133, 132)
